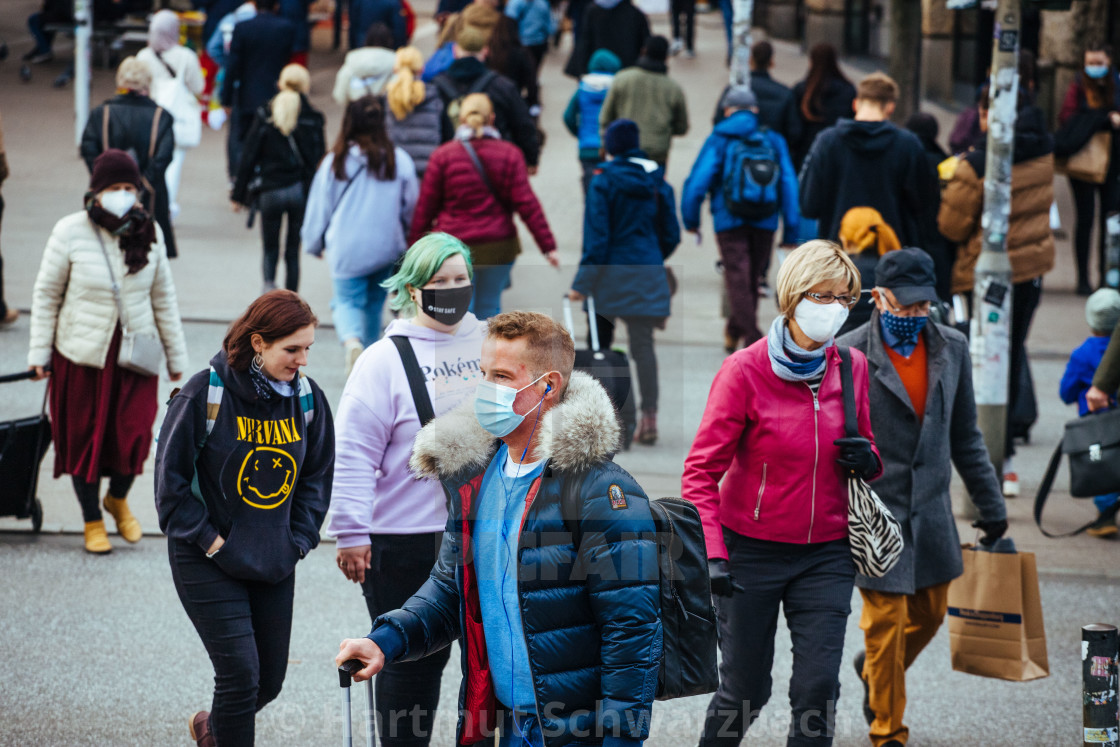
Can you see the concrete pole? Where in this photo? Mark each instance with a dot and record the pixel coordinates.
(743, 12)
(991, 305)
(1111, 269)
(83, 30)
(905, 63)
(1098, 690)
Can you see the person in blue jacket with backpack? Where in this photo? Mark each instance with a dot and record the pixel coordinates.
(582, 115)
(629, 228)
(747, 171)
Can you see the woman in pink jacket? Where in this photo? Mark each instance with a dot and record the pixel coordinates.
(773, 432)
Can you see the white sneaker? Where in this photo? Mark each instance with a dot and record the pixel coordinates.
(1010, 485)
(676, 47)
(353, 352)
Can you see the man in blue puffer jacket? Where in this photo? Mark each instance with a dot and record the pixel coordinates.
(744, 245)
(559, 614)
(582, 115)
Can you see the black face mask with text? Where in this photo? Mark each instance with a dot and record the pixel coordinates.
(446, 305)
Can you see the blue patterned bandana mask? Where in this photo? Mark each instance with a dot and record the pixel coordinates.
(905, 328)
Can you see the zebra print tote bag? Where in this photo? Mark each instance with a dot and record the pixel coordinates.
(875, 535)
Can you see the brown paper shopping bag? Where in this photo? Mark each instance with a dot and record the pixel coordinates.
(995, 617)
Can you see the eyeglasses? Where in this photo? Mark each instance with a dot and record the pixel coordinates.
(827, 298)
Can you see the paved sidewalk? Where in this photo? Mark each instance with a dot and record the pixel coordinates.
(118, 687)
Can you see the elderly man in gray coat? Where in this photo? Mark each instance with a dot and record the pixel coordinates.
(924, 417)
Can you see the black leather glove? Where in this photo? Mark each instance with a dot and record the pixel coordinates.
(992, 530)
(857, 455)
(719, 573)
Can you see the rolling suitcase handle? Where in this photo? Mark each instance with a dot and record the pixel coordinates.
(345, 673)
(592, 325)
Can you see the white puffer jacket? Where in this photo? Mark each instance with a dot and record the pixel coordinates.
(72, 306)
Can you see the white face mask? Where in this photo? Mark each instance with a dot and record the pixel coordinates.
(820, 321)
(118, 202)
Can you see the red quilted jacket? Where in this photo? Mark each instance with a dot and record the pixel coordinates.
(455, 200)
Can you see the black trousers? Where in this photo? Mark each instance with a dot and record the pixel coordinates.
(4, 306)
(687, 8)
(1024, 301)
(640, 331)
(274, 205)
(245, 627)
(1084, 200)
(406, 694)
(812, 584)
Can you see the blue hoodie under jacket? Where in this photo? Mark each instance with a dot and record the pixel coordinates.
(707, 179)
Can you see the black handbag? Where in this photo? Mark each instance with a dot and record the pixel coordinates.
(1092, 444)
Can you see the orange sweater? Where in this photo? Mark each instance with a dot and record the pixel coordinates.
(914, 373)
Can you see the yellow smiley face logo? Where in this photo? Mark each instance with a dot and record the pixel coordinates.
(267, 477)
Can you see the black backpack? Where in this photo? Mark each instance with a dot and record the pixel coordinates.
(453, 100)
(688, 620)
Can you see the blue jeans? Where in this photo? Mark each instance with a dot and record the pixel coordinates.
(1102, 502)
(489, 282)
(357, 305)
(245, 627)
(728, 21)
(813, 585)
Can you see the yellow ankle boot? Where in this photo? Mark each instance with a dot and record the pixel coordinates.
(127, 525)
(97, 541)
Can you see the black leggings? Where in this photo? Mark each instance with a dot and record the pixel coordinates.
(688, 9)
(89, 498)
(274, 205)
(1084, 199)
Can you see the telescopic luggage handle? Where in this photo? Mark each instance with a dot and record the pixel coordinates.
(592, 325)
(346, 674)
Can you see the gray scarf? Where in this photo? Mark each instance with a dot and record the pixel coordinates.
(788, 360)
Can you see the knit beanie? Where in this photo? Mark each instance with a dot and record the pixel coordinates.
(621, 136)
(113, 167)
(477, 24)
(864, 227)
(604, 61)
(1102, 310)
(656, 48)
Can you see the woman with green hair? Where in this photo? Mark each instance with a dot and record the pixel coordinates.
(388, 524)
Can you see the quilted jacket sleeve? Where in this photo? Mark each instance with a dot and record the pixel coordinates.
(429, 620)
(46, 297)
(619, 555)
(165, 308)
(961, 202)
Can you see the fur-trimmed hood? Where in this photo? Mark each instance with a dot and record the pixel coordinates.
(578, 433)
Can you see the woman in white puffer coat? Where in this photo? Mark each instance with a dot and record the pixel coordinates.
(101, 413)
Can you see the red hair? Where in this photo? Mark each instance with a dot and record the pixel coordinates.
(274, 315)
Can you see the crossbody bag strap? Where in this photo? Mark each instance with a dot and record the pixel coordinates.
(415, 379)
(473, 155)
(154, 133)
(1044, 493)
(170, 70)
(112, 276)
(338, 202)
(847, 386)
(104, 128)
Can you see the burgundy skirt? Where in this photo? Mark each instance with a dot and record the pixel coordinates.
(101, 418)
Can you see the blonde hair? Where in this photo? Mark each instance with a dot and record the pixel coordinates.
(475, 112)
(285, 106)
(133, 74)
(814, 262)
(404, 92)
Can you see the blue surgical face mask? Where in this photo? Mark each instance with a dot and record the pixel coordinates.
(904, 327)
(493, 406)
(1096, 72)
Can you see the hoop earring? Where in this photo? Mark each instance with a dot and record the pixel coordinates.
(258, 363)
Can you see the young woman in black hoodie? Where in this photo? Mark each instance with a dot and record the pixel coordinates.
(243, 481)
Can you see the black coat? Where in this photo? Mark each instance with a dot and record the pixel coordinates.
(872, 164)
(270, 154)
(622, 29)
(834, 104)
(511, 116)
(130, 130)
(777, 108)
(258, 51)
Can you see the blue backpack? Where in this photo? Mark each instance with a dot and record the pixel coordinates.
(751, 176)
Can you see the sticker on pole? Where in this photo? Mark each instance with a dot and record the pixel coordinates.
(1008, 40)
(1104, 735)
